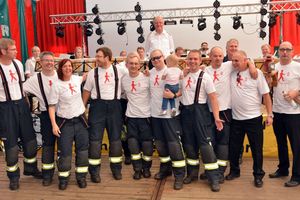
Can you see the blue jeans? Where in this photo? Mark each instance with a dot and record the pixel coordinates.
(174, 89)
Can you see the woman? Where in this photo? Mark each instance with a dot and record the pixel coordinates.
(69, 124)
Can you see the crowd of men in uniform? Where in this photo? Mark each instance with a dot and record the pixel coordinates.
(215, 107)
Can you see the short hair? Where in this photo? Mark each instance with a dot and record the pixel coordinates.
(266, 45)
(204, 43)
(155, 51)
(60, 65)
(34, 48)
(132, 55)
(215, 47)
(46, 53)
(106, 52)
(231, 40)
(195, 51)
(158, 17)
(241, 52)
(172, 60)
(178, 48)
(78, 47)
(140, 48)
(5, 42)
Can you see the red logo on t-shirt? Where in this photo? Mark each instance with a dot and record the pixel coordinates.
(281, 74)
(156, 80)
(12, 76)
(133, 86)
(71, 88)
(188, 83)
(50, 83)
(106, 77)
(239, 79)
(215, 76)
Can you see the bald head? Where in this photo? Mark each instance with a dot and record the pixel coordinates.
(285, 52)
(216, 55)
(240, 60)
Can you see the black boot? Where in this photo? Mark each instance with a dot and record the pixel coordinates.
(14, 184)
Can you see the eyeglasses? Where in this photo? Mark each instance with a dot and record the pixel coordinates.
(156, 58)
(288, 50)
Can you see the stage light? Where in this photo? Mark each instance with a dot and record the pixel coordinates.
(121, 27)
(217, 26)
(99, 31)
(138, 18)
(272, 19)
(262, 24)
(95, 9)
(262, 34)
(298, 18)
(141, 39)
(186, 21)
(217, 36)
(263, 11)
(264, 2)
(216, 4)
(170, 22)
(137, 7)
(217, 14)
(152, 27)
(59, 29)
(140, 30)
(100, 41)
(88, 29)
(201, 24)
(237, 22)
(97, 20)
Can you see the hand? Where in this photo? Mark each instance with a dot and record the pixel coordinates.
(219, 124)
(84, 75)
(269, 120)
(55, 130)
(185, 71)
(292, 94)
(163, 77)
(168, 94)
(146, 72)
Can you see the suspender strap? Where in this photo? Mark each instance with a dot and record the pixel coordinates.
(5, 85)
(39, 76)
(20, 79)
(97, 82)
(116, 81)
(198, 86)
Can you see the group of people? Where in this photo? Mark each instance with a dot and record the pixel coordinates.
(210, 111)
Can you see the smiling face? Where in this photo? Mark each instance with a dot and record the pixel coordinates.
(133, 64)
(159, 24)
(67, 70)
(47, 62)
(193, 61)
(157, 59)
(216, 55)
(239, 61)
(10, 52)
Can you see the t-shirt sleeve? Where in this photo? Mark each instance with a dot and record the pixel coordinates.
(89, 81)
(208, 84)
(263, 87)
(54, 94)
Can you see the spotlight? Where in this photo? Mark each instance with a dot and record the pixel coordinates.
(264, 2)
(137, 7)
(201, 24)
(141, 39)
(237, 22)
(170, 22)
(99, 31)
(272, 19)
(186, 21)
(100, 41)
(263, 11)
(152, 27)
(217, 26)
(95, 9)
(217, 14)
(121, 27)
(97, 20)
(217, 36)
(216, 4)
(138, 18)
(262, 24)
(298, 18)
(140, 30)
(262, 34)
(88, 29)
(60, 31)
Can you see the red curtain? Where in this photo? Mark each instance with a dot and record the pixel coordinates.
(290, 30)
(47, 39)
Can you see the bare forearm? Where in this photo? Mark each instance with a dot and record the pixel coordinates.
(268, 103)
(52, 114)
(85, 96)
(214, 105)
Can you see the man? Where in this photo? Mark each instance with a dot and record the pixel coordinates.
(204, 49)
(179, 51)
(232, 46)
(246, 95)
(40, 85)
(265, 50)
(196, 122)
(15, 117)
(136, 87)
(159, 39)
(287, 114)
(141, 52)
(166, 129)
(103, 85)
(30, 63)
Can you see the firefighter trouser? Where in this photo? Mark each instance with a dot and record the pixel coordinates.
(16, 122)
(124, 136)
(105, 114)
(166, 133)
(254, 129)
(49, 139)
(220, 140)
(288, 125)
(74, 129)
(140, 143)
(197, 135)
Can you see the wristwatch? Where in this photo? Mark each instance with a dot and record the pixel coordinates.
(174, 95)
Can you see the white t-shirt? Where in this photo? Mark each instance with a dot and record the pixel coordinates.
(221, 80)
(288, 79)
(188, 88)
(13, 81)
(156, 92)
(106, 82)
(163, 41)
(32, 86)
(30, 66)
(66, 95)
(137, 91)
(172, 75)
(246, 94)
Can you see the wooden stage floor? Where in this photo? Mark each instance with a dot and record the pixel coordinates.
(127, 188)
